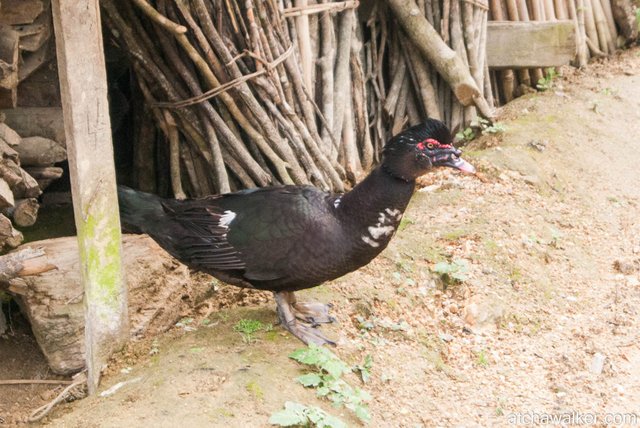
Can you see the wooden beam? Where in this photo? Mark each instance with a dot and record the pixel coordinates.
(530, 44)
(83, 84)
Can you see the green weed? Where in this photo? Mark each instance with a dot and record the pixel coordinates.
(480, 126)
(452, 272)
(328, 382)
(296, 414)
(364, 369)
(546, 82)
(254, 389)
(481, 359)
(247, 328)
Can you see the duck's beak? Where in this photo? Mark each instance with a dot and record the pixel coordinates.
(461, 164)
(452, 159)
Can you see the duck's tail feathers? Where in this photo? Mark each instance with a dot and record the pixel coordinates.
(139, 210)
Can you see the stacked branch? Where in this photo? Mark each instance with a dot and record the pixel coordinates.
(426, 59)
(27, 166)
(25, 45)
(239, 100)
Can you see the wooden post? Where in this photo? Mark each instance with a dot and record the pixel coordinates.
(83, 84)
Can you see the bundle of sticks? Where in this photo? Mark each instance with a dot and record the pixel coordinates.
(405, 88)
(26, 168)
(292, 91)
(238, 97)
(25, 44)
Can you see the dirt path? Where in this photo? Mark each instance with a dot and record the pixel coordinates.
(518, 339)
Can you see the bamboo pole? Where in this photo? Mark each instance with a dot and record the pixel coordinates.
(582, 49)
(602, 27)
(604, 39)
(506, 77)
(611, 23)
(590, 28)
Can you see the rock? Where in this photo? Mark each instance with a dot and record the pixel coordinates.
(539, 145)
(484, 312)
(597, 363)
(532, 180)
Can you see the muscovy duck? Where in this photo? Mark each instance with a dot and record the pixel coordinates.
(288, 238)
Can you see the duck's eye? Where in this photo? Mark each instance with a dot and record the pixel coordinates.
(430, 145)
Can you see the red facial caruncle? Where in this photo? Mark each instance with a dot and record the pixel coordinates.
(430, 143)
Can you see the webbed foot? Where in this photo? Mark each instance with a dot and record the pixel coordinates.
(302, 319)
(313, 313)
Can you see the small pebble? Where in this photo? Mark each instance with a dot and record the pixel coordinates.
(597, 363)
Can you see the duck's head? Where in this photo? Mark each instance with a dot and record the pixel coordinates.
(416, 150)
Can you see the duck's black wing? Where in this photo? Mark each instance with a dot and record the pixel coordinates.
(256, 233)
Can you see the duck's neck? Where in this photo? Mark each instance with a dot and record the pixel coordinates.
(378, 192)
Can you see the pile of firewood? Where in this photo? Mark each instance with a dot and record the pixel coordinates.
(230, 96)
(264, 92)
(25, 44)
(26, 168)
(406, 87)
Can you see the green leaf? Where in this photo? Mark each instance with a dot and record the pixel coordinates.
(322, 419)
(322, 391)
(335, 368)
(363, 395)
(310, 379)
(442, 267)
(285, 418)
(292, 415)
(295, 407)
(331, 421)
(363, 413)
(368, 361)
(313, 355)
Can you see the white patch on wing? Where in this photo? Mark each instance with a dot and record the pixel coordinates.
(377, 231)
(386, 226)
(370, 241)
(226, 218)
(396, 213)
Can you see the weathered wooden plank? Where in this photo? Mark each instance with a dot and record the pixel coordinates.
(83, 84)
(530, 44)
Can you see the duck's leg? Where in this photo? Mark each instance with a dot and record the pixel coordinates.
(312, 312)
(285, 301)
